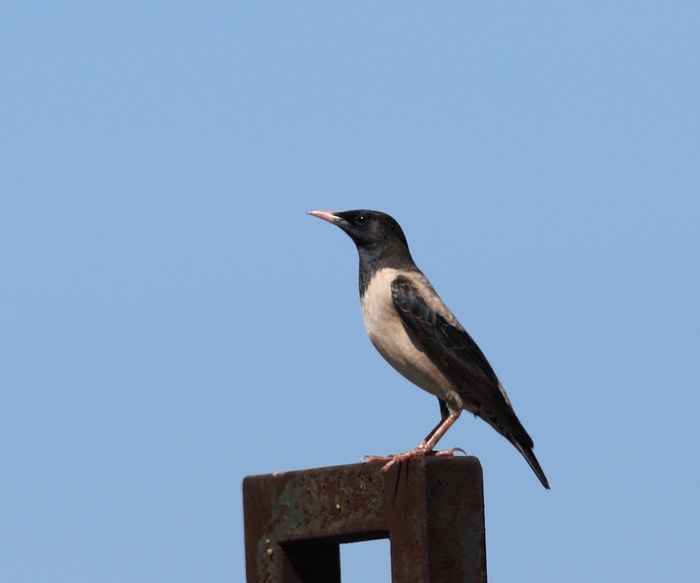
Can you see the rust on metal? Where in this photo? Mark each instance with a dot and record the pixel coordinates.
(431, 509)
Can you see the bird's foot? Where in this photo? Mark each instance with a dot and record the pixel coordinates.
(450, 451)
(395, 457)
(376, 458)
(419, 451)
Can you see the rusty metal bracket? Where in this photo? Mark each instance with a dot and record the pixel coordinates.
(431, 508)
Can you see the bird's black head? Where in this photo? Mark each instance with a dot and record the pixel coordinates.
(379, 239)
(368, 229)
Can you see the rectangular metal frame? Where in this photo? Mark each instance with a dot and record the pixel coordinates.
(431, 508)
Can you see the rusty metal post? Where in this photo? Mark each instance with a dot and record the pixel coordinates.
(431, 509)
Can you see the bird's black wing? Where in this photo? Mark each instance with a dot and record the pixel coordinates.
(454, 351)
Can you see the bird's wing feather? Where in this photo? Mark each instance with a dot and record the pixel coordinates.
(454, 351)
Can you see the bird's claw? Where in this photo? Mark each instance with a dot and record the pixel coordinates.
(375, 458)
(400, 457)
(450, 451)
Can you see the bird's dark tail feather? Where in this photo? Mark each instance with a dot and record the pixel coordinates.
(532, 460)
(514, 432)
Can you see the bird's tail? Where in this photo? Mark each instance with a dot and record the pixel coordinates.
(508, 425)
(532, 460)
(516, 434)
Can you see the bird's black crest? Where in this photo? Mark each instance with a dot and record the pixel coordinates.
(366, 225)
(380, 242)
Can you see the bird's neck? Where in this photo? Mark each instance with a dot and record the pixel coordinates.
(372, 259)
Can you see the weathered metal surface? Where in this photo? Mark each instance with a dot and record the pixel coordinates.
(431, 509)
(437, 527)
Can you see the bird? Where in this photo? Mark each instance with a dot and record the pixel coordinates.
(417, 334)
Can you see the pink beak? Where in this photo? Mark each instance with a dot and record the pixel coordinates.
(325, 215)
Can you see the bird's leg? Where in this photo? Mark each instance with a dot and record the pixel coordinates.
(426, 446)
(444, 414)
(436, 434)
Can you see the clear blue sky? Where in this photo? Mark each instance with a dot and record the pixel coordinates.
(172, 321)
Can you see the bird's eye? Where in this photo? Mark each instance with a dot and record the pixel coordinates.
(360, 220)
